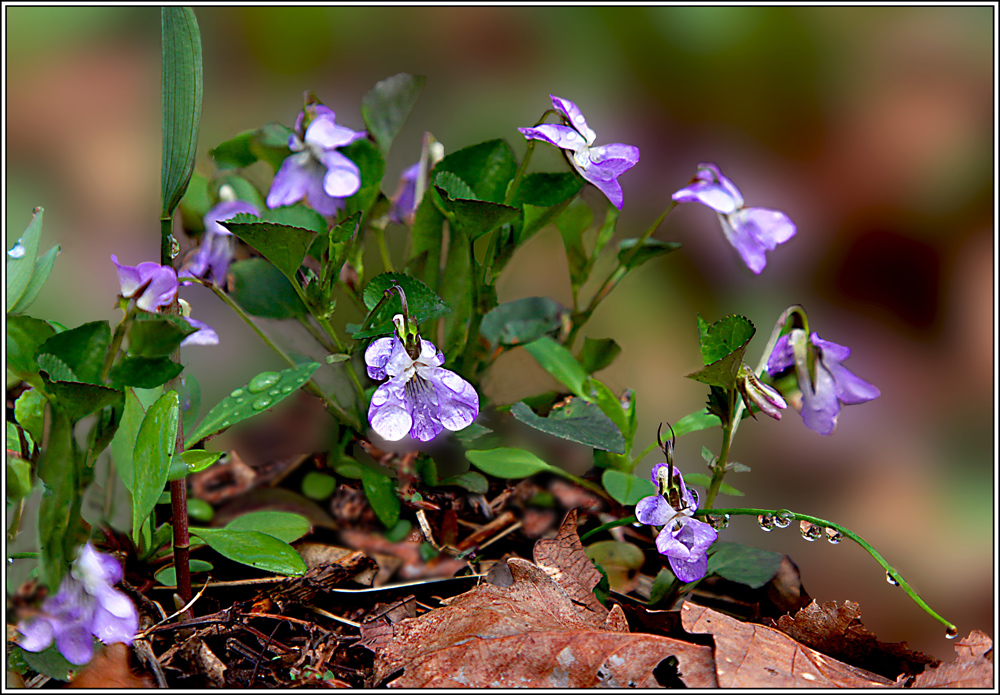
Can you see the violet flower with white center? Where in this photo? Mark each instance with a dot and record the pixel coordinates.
(754, 391)
(86, 606)
(315, 170)
(404, 203)
(830, 386)
(683, 539)
(600, 166)
(751, 231)
(155, 284)
(420, 397)
(211, 260)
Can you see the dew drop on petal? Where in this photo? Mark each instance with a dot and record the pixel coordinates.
(783, 519)
(637, 524)
(766, 522)
(889, 578)
(833, 535)
(951, 632)
(263, 381)
(18, 250)
(810, 531)
(261, 403)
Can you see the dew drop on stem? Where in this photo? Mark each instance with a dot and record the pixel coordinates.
(889, 578)
(766, 522)
(833, 535)
(951, 632)
(175, 247)
(810, 531)
(17, 251)
(783, 519)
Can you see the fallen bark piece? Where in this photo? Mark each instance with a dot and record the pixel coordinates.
(972, 669)
(748, 655)
(531, 634)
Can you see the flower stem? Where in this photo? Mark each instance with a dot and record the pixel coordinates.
(890, 570)
(719, 470)
(608, 526)
(383, 249)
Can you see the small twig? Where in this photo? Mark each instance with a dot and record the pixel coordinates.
(253, 675)
(331, 616)
(184, 609)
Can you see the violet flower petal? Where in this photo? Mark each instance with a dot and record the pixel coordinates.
(292, 180)
(342, 178)
(653, 511)
(388, 412)
(575, 117)
(377, 355)
(561, 136)
(205, 335)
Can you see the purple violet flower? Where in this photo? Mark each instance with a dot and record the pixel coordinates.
(600, 166)
(751, 231)
(831, 386)
(315, 170)
(155, 284)
(404, 203)
(420, 398)
(86, 606)
(755, 391)
(211, 260)
(683, 539)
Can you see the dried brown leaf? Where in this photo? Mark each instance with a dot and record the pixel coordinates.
(564, 559)
(748, 655)
(109, 670)
(972, 669)
(531, 634)
(836, 630)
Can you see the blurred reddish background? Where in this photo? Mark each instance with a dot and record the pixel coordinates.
(871, 127)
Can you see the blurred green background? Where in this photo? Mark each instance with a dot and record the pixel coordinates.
(871, 127)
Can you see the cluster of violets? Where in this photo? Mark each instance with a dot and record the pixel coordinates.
(86, 606)
(419, 398)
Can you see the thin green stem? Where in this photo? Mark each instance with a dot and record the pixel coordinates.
(121, 330)
(383, 249)
(317, 336)
(331, 406)
(615, 277)
(891, 571)
(519, 174)
(593, 487)
(166, 240)
(719, 471)
(608, 526)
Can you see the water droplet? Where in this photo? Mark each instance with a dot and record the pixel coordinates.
(18, 251)
(889, 578)
(833, 535)
(275, 392)
(637, 524)
(810, 531)
(263, 381)
(783, 519)
(175, 246)
(261, 403)
(694, 496)
(951, 632)
(237, 393)
(718, 522)
(288, 388)
(766, 522)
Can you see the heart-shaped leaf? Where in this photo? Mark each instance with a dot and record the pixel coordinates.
(577, 421)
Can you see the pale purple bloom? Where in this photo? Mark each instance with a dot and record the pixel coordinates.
(600, 166)
(824, 391)
(86, 606)
(315, 170)
(155, 284)
(420, 398)
(753, 390)
(404, 203)
(751, 231)
(211, 260)
(683, 539)
(205, 335)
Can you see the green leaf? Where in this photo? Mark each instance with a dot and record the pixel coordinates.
(262, 392)
(18, 474)
(318, 486)
(572, 224)
(83, 349)
(43, 266)
(154, 446)
(522, 320)
(29, 410)
(458, 290)
(476, 217)
(705, 481)
(237, 152)
(385, 108)
(560, 363)
(199, 510)
(577, 421)
(610, 404)
(55, 368)
(453, 187)
(285, 526)
(471, 433)
(168, 575)
(470, 480)
(371, 165)
(724, 337)
(426, 241)
(181, 89)
(650, 249)
(543, 197)
(24, 336)
(194, 460)
(285, 246)
(487, 168)
(79, 399)
(144, 372)
(596, 354)
(740, 563)
(57, 468)
(507, 462)
(297, 215)
(255, 549)
(422, 303)
(381, 493)
(123, 444)
(261, 290)
(700, 420)
(21, 260)
(625, 488)
(157, 335)
(190, 394)
(52, 663)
